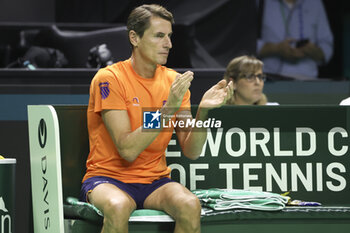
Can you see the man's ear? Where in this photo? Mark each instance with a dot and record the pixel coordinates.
(133, 37)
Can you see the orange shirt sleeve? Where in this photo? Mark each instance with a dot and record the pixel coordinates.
(107, 92)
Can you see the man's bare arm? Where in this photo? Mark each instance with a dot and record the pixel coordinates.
(128, 143)
(193, 139)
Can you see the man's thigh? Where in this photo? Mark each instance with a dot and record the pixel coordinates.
(168, 197)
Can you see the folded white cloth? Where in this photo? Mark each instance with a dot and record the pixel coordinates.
(345, 101)
(226, 199)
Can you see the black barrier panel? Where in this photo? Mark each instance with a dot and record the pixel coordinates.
(301, 149)
(74, 147)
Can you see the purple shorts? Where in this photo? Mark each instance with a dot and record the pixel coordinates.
(138, 192)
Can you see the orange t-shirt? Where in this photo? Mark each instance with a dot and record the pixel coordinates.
(119, 87)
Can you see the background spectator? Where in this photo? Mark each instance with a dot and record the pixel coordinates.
(295, 38)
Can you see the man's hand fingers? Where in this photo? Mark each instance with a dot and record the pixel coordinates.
(183, 80)
(187, 76)
(221, 84)
(178, 89)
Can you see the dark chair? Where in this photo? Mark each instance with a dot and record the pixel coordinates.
(76, 45)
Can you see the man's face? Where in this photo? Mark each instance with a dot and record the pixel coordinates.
(155, 43)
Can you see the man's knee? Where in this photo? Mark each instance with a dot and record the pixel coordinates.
(118, 207)
(189, 207)
(193, 204)
(116, 213)
(188, 214)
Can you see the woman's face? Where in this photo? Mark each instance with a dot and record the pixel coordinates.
(248, 88)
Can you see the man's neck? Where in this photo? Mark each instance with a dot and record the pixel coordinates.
(145, 70)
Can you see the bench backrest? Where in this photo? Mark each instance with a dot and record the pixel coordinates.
(302, 149)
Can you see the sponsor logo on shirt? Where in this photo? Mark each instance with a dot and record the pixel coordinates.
(104, 88)
(135, 101)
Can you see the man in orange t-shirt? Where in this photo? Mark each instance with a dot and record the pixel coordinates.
(126, 167)
(126, 90)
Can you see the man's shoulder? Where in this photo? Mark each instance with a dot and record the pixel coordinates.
(119, 67)
(166, 69)
(116, 70)
(171, 73)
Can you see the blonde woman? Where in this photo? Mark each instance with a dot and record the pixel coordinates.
(246, 73)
